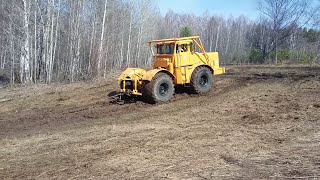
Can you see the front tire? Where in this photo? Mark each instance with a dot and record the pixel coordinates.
(201, 80)
(159, 89)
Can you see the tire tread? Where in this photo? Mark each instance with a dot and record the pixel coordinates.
(148, 92)
(193, 80)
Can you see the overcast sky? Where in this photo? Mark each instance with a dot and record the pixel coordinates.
(215, 7)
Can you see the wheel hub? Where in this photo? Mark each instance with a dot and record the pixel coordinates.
(203, 81)
(163, 89)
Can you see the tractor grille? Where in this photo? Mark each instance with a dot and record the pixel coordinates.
(128, 85)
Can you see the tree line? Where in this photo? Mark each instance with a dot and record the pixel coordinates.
(42, 41)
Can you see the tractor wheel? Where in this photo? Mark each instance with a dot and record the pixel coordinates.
(159, 89)
(201, 80)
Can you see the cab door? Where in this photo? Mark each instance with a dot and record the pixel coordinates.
(183, 55)
(182, 62)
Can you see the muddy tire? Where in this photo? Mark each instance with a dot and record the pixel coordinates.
(159, 89)
(201, 80)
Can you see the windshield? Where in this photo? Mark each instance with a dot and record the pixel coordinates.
(165, 48)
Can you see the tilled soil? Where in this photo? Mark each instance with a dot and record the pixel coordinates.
(25, 120)
(257, 122)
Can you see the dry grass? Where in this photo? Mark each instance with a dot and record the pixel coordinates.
(257, 123)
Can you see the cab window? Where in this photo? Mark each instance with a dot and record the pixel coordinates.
(165, 48)
(192, 47)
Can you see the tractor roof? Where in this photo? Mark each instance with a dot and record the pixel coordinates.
(175, 39)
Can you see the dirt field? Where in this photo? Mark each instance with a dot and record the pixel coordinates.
(258, 122)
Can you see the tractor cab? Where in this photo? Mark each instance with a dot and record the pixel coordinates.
(164, 56)
(170, 54)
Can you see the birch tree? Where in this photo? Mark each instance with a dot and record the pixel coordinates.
(48, 41)
(102, 38)
(25, 75)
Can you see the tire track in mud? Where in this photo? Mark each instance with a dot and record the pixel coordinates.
(26, 122)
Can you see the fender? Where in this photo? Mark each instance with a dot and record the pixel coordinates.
(132, 73)
(209, 67)
(151, 73)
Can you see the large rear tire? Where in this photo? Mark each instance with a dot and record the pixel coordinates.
(159, 89)
(201, 80)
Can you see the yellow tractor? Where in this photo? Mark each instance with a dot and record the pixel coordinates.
(176, 62)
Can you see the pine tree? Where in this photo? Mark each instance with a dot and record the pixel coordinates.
(185, 32)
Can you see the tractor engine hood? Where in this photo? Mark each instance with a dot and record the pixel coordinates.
(137, 74)
(132, 74)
